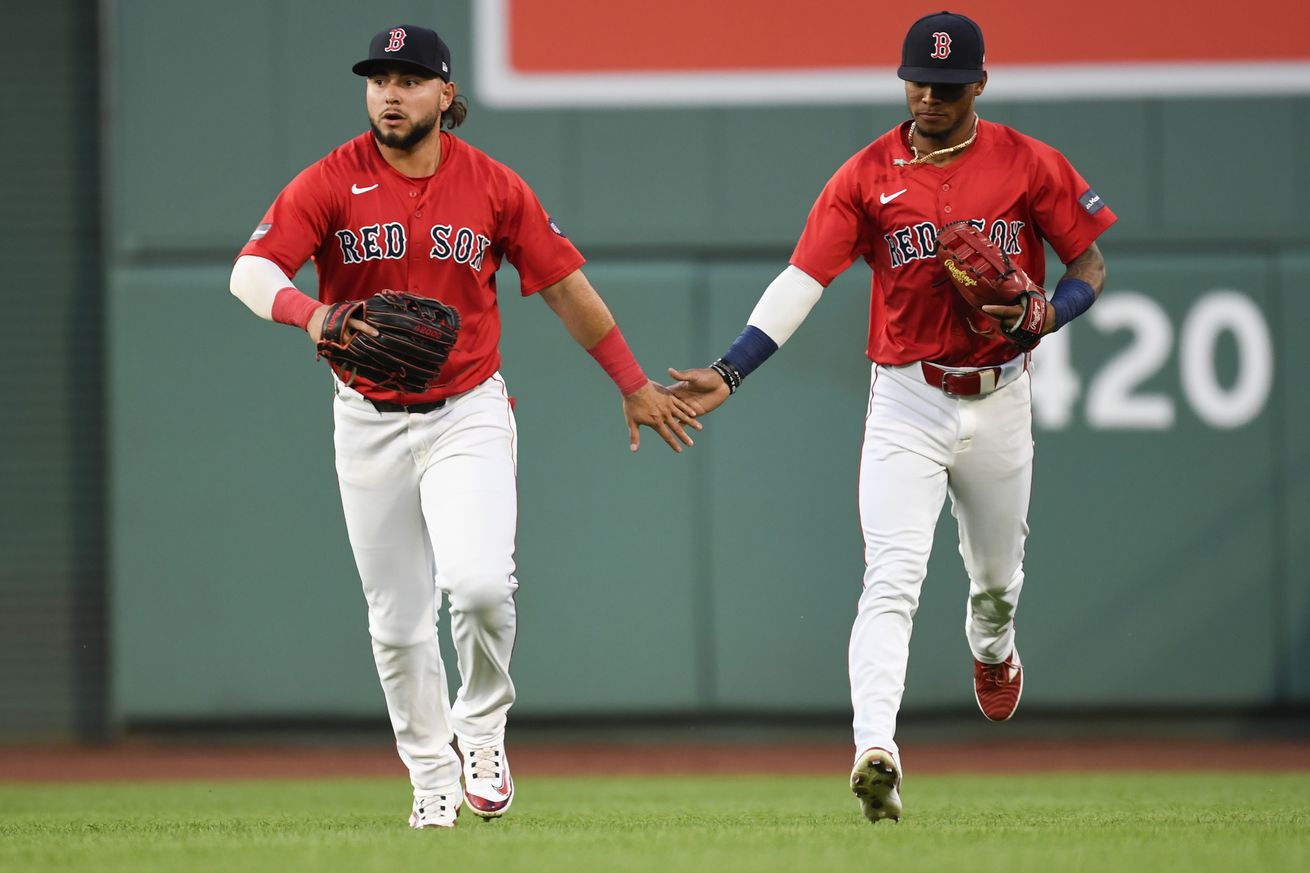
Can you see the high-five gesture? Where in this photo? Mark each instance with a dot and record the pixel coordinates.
(702, 389)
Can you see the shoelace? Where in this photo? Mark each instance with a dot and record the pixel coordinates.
(440, 801)
(997, 674)
(485, 764)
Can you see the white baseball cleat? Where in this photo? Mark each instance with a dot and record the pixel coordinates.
(876, 781)
(488, 786)
(435, 810)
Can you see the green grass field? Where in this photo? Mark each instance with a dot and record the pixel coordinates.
(1115, 822)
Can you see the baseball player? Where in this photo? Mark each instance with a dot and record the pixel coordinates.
(949, 407)
(428, 480)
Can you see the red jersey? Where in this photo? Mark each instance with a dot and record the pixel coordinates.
(1019, 190)
(370, 228)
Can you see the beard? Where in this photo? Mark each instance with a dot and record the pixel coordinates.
(407, 141)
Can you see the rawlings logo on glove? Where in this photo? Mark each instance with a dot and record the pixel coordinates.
(415, 336)
(958, 276)
(984, 276)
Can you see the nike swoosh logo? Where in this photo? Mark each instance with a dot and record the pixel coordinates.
(884, 199)
(355, 189)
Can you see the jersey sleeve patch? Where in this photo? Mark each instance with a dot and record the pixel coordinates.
(1091, 201)
(555, 227)
(260, 231)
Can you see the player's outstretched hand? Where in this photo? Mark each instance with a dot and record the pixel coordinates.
(702, 389)
(654, 406)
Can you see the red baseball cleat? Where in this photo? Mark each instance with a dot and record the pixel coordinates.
(998, 687)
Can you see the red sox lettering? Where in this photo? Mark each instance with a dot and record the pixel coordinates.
(918, 241)
(467, 248)
(373, 242)
(376, 242)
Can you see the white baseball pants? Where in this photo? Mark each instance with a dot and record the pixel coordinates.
(920, 445)
(431, 507)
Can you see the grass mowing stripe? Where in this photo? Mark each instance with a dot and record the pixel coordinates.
(972, 824)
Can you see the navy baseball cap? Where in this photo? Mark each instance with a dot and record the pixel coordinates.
(408, 45)
(944, 47)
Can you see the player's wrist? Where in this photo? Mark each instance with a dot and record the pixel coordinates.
(293, 306)
(618, 362)
(751, 349)
(1071, 298)
(729, 373)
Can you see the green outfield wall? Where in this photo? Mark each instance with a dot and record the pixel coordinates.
(1170, 522)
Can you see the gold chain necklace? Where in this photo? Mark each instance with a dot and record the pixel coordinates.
(923, 159)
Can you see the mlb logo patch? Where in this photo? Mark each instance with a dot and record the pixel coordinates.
(1091, 201)
(555, 227)
(260, 231)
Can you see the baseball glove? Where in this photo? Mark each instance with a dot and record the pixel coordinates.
(984, 276)
(415, 336)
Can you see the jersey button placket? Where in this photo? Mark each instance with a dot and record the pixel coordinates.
(417, 255)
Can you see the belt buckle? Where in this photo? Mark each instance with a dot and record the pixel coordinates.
(948, 375)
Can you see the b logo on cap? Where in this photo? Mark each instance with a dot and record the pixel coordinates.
(398, 40)
(941, 45)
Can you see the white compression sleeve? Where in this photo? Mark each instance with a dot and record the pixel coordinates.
(256, 281)
(785, 303)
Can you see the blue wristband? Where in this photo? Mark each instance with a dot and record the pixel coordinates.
(1071, 299)
(750, 350)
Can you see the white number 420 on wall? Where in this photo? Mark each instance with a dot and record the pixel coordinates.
(1115, 399)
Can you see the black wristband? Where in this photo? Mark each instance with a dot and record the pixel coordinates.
(730, 374)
